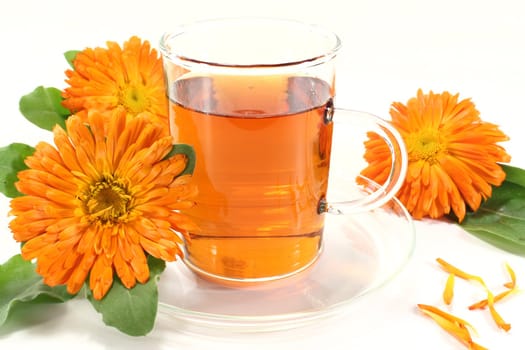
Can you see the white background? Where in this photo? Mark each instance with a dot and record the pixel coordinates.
(390, 49)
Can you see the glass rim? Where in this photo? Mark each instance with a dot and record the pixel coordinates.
(179, 54)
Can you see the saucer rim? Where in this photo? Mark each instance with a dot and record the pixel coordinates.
(283, 321)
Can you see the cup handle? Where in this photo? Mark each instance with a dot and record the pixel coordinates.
(399, 156)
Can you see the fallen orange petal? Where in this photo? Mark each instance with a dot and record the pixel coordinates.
(484, 303)
(512, 288)
(459, 273)
(452, 324)
(512, 283)
(448, 293)
(490, 297)
(495, 315)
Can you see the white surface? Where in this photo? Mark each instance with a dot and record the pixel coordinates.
(390, 49)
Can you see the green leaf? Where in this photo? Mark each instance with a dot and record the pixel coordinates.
(43, 107)
(11, 162)
(19, 283)
(189, 152)
(514, 174)
(500, 220)
(70, 56)
(132, 311)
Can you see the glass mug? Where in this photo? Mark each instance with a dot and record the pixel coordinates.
(254, 98)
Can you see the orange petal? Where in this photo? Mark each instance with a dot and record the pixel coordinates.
(512, 283)
(490, 297)
(448, 293)
(512, 289)
(455, 326)
(495, 315)
(459, 273)
(101, 277)
(124, 271)
(484, 303)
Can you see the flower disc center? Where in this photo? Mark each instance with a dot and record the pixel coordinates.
(425, 145)
(107, 201)
(134, 98)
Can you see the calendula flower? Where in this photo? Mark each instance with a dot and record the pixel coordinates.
(106, 78)
(102, 200)
(453, 155)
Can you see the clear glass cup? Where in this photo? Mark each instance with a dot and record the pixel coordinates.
(254, 98)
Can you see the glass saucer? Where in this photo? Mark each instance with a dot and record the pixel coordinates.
(361, 252)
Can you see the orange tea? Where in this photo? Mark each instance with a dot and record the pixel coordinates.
(253, 96)
(262, 158)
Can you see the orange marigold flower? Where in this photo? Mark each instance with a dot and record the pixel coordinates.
(102, 200)
(106, 78)
(453, 155)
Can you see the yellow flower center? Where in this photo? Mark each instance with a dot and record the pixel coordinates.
(134, 98)
(426, 145)
(107, 201)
